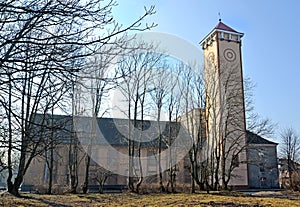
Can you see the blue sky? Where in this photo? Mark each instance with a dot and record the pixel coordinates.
(270, 46)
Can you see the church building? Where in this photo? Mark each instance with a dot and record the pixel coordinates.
(240, 158)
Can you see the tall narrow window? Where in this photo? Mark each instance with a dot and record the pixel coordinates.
(261, 167)
(152, 162)
(235, 161)
(222, 35)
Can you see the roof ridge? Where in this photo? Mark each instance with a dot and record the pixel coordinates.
(223, 26)
(253, 138)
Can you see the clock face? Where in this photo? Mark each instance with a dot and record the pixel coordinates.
(229, 55)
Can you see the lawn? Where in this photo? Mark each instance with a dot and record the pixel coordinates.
(128, 199)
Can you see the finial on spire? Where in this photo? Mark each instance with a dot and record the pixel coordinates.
(219, 16)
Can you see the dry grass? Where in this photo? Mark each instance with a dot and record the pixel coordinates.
(128, 199)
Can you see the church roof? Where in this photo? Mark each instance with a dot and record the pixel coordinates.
(223, 26)
(111, 130)
(253, 138)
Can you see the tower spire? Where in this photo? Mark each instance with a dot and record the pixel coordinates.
(220, 19)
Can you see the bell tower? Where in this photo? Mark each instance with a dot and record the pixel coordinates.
(225, 107)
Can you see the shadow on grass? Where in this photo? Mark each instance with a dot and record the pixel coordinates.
(228, 204)
(45, 201)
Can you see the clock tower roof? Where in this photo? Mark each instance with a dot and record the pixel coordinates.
(223, 26)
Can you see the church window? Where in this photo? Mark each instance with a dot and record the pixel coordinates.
(222, 35)
(261, 167)
(235, 161)
(152, 162)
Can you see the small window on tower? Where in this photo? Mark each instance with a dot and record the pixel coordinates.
(261, 167)
(222, 35)
(235, 161)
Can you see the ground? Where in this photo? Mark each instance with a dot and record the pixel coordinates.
(259, 199)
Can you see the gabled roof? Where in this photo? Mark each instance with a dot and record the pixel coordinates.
(253, 138)
(223, 26)
(110, 131)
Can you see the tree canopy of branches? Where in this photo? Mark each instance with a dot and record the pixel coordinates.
(137, 69)
(43, 44)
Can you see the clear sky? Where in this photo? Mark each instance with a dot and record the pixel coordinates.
(271, 45)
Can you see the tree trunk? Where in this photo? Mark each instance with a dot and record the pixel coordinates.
(290, 172)
(101, 188)
(10, 147)
(73, 167)
(217, 170)
(193, 190)
(49, 191)
(16, 185)
(160, 176)
(223, 172)
(86, 176)
(138, 184)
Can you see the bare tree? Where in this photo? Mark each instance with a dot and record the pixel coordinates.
(193, 93)
(73, 152)
(290, 150)
(50, 144)
(212, 123)
(173, 104)
(100, 176)
(136, 68)
(39, 41)
(159, 96)
(96, 83)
